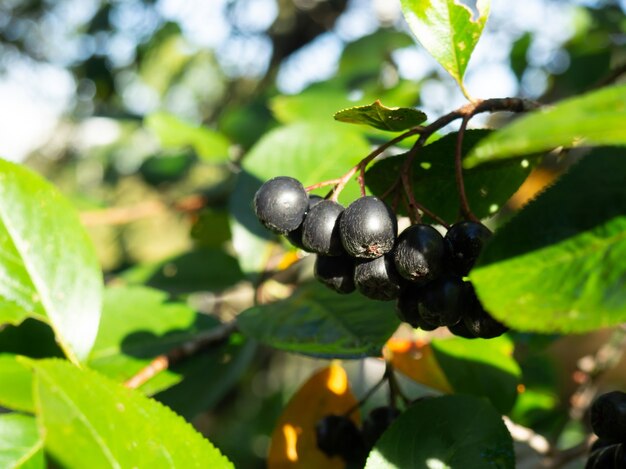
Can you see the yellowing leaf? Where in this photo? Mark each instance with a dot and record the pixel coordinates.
(415, 359)
(293, 442)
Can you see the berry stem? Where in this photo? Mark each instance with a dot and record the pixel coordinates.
(367, 395)
(465, 112)
(361, 180)
(394, 387)
(343, 180)
(458, 172)
(330, 182)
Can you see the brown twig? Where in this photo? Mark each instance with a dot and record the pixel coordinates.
(458, 172)
(330, 182)
(465, 112)
(343, 180)
(164, 361)
(148, 208)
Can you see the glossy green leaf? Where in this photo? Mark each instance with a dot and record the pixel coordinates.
(174, 132)
(445, 432)
(92, 421)
(316, 320)
(138, 324)
(16, 391)
(482, 368)
(48, 266)
(558, 266)
(597, 118)
(447, 30)
(432, 174)
(379, 116)
(20, 443)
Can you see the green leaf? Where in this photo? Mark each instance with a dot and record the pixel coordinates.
(20, 443)
(91, 421)
(445, 432)
(203, 269)
(394, 119)
(209, 377)
(595, 119)
(48, 264)
(318, 103)
(482, 368)
(558, 266)
(432, 174)
(316, 320)
(174, 132)
(138, 324)
(16, 392)
(446, 30)
(309, 152)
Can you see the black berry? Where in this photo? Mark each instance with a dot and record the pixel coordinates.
(377, 422)
(295, 236)
(339, 436)
(377, 278)
(320, 229)
(407, 308)
(602, 443)
(478, 321)
(461, 330)
(465, 240)
(609, 457)
(608, 416)
(280, 204)
(336, 272)
(443, 301)
(419, 254)
(368, 228)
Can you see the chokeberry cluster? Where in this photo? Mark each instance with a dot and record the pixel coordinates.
(358, 248)
(338, 435)
(608, 421)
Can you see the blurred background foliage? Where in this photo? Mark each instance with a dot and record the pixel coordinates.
(144, 113)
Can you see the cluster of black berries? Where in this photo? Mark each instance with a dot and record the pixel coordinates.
(359, 248)
(608, 421)
(337, 435)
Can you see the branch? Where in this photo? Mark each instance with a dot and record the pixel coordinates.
(465, 112)
(139, 211)
(164, 361)
(341, 182)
